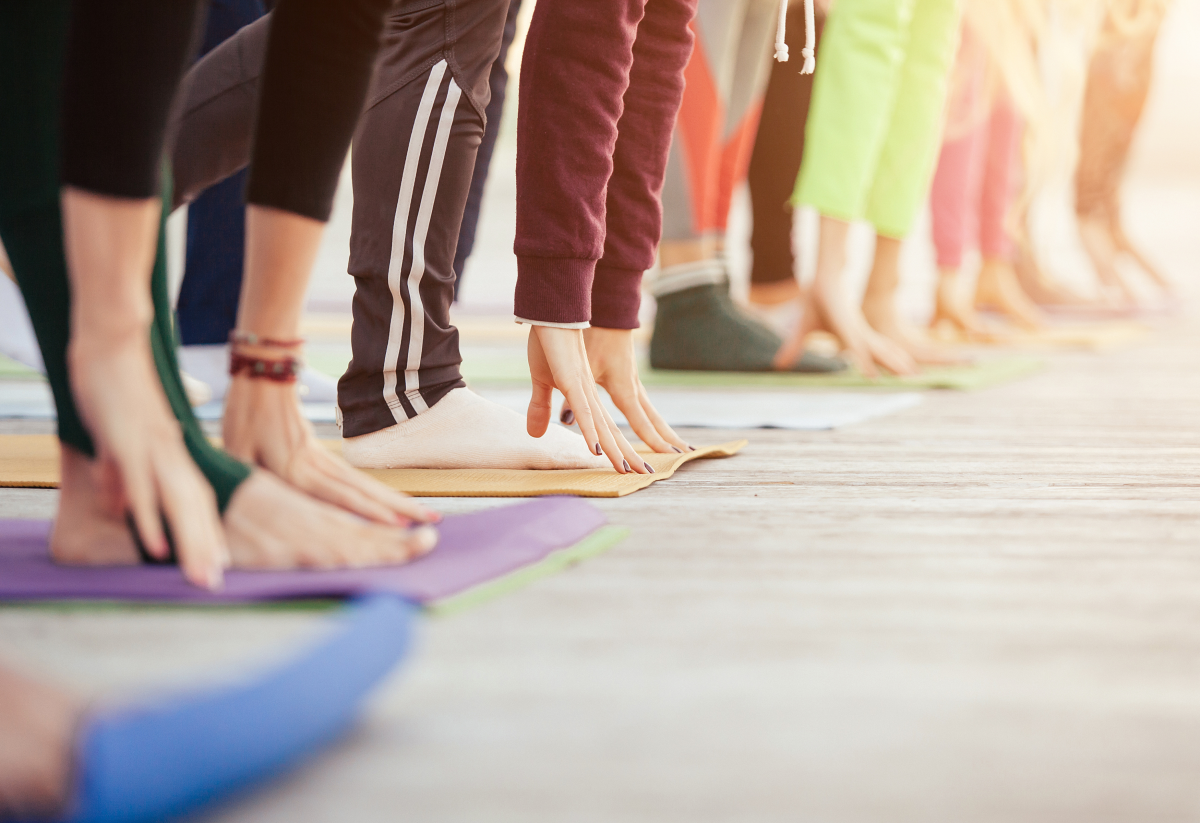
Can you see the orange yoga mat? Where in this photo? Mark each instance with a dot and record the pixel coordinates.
(31, 461)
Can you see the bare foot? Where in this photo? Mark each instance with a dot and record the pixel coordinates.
(268, 524)
(832, 313)
(1124, 245)
(265, 426)
(140, 454)
(775, 294)
(953, 307)
(884, 318)
(1045, 290)
(271, 525)
(36, 727)
(142, 465)
(998, 288)
(89, 528)
(1101, 249)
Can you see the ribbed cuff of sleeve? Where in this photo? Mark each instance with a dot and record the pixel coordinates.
(554, 289)
(616, 297)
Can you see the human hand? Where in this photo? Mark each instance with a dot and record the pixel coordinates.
(558, 359)
(867, 349)
(614, 365)
(264, 425)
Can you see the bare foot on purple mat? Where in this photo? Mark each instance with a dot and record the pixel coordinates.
(268, 525)
(271, 525)
(37, 723)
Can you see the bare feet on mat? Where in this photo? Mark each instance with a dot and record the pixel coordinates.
(89, 528)
(1126, 246)
(142, 465)
(271, 525)
(1045, 290)
(1101, 249)
(466, 431)
(558, 359)
(884, 317)
(998, 288)
(836, 314)
(140, 454)
(268, 524)
(953, 308)
(264, 426)
(37, 723)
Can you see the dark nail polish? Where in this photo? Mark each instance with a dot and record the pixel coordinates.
(691, 447)
(568, 417)
(598, 449)
(649, 468)
(677, 450)
(625, 465)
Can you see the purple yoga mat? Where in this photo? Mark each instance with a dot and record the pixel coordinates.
(474, 548)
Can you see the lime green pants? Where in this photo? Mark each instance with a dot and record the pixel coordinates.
(875, 125)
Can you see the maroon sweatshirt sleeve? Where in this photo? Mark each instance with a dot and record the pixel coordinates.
(590, 70)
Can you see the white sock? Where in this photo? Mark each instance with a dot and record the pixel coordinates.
(210, 364)
(464, 431)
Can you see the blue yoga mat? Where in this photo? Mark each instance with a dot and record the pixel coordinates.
(162, 761)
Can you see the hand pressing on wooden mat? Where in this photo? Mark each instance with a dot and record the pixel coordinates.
(558, 359)
(264, 425)
(613, 362)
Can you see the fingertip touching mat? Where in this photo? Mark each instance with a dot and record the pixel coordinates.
(479, 555)
(31, 460)
(538, 483)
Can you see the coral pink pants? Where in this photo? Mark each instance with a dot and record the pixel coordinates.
(979, 168)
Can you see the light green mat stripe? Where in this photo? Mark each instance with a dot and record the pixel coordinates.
(12, 370)
(506, 366)
(498, 370)
(596, 543)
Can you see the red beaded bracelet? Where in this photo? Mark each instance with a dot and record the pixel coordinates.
(282, 370)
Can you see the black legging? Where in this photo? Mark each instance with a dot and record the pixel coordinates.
(125, 60)
(122, 68)
(778, 152)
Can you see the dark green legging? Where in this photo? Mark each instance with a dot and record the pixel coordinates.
(32, 37)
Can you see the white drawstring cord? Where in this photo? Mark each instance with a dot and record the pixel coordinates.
(810, 37)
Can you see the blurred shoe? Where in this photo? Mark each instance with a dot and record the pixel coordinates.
(210, 364)
(702, 329)
(197, 391)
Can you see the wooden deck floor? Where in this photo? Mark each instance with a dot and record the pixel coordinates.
(983, 609)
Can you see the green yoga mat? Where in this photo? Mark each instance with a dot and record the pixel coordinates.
(598, 542)
(506, 368)
(12, 370)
